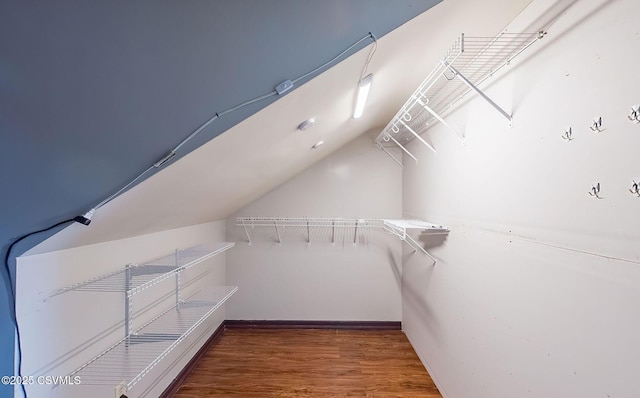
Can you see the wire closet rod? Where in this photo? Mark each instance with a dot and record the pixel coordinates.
(173, 152)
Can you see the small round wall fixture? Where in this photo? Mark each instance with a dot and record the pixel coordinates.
(307, 124)
(317, 145)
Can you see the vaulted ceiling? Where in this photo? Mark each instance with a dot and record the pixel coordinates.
(93, 93)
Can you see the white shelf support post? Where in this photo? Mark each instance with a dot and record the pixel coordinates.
(478, 91)
(278, 233)
(440, 119)
(390, 155)
(355, 233)
(333, 232)
(308, 234)
(417, 136)
(177, 256)
(415, 245)
(246, 232)
(128, 316)
(403, 148)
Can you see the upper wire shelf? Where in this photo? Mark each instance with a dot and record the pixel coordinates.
(135, 278)
(307, 223)
(397, 227)
(468, 62)
(131, 358)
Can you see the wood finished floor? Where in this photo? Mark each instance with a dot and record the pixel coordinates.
(309, 363)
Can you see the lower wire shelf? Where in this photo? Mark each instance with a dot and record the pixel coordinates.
(130, 359)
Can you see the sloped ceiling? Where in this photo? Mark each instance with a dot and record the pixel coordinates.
(93, 92)
(128, 95)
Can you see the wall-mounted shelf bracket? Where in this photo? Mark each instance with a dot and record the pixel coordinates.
(416, 135)
(333, 233)
(246, 232)
(389, 137)
(380, 147)
(399, 229)
(440, 119)
(278, 233)
(477, 90)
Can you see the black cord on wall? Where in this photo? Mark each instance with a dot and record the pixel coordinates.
(12, 304)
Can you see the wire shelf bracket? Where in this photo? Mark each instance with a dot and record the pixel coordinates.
(466, 65)
(399, 228)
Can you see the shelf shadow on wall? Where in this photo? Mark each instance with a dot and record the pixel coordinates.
(415, 295)
(395, 267)
(432, 240)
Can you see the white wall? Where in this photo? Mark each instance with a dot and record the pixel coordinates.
(537, 286)
(61, 333)
(295, 281)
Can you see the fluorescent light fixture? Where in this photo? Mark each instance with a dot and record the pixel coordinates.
(363, 92)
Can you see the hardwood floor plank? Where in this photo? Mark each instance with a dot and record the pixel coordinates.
(309, 363)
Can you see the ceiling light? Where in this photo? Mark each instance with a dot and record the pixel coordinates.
(306, 124)
(317, 144)
(363, 92)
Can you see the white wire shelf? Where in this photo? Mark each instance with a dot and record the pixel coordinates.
(353, 225)
(131, 358)
(135, 278)
(468, 63)
(307, 221)
(397, 227)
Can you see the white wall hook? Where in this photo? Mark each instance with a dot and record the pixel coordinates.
(595, 190)
(634, 116)
(635, 188)
(568, 134)
(597, 124)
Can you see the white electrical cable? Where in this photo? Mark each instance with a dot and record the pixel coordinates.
(369, 36)
(110, 198)
(371, 52)
(172, 153)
